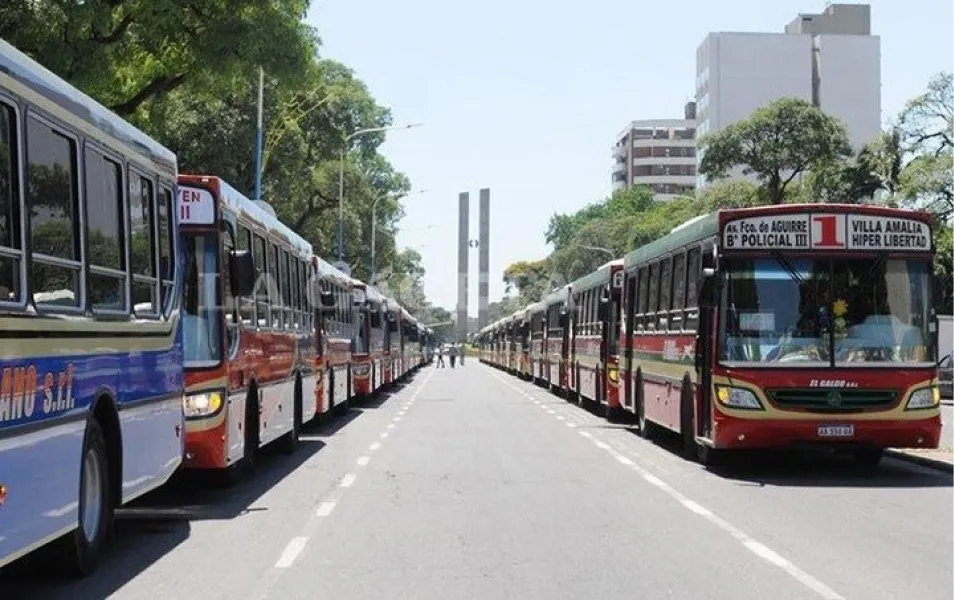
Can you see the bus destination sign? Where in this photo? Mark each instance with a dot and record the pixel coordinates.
(818, 231)
(196, 206)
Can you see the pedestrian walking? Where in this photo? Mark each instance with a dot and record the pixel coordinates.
(452, 352)
(463, 353)
(440, 356)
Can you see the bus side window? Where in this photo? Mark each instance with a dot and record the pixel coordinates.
(642, 300)
(263, 287)
(105, 235)
(11, 243)
(167, 264)
(246, 306)
(54, 216)
(653, 296)
(692, 289)
(142, 246)
(286, 280)
(678, 291)
(665, 294)
(228, 300)
(631, 280)
(275, 293)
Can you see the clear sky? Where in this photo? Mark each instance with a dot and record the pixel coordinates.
(527, 97)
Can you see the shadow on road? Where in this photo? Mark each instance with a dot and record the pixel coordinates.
(810, 468)
(154, 525)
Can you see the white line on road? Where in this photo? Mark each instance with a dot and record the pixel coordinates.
(571, 425)
(384, 435)
(561, 418)
(324, 509)
(586, 434)
(601, 445)
(348, 480)
(624, 459)
(390, 425)
(374, 446)
(397, 419)
(364, 460)
(291, 552)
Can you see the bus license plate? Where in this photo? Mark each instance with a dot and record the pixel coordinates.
(836, 430)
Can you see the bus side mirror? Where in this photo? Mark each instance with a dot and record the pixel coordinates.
(711, 289)
(242, 272)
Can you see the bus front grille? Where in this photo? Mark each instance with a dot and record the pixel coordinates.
(828, 400)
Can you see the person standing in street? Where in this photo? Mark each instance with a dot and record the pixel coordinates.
(462, 350)
(440, 356)
(452, 352)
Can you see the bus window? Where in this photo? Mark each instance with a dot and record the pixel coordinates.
(142, 248)
(10, 242)
(246, 306)
(665, 294)
(642, 301)
(167, 265)
(201, 321)
(54, 216)
(692, 289)
(286, 288)
(228, 300)
(276, 287)
(105, 238)
(678, 291)
(653, 302)
(263, 286)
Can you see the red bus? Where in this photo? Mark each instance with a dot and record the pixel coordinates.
(786, 325)
(536, 318)
(338, 329)
(249, 347)
(595, 301)
(557, 339)
(367, 361)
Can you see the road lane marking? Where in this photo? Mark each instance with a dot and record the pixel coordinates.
(364, 460)
(324, 509)
(571, 425)
(384, 435)
(291, 552)
(390, 425)
(348, 480)
(374, 446)
(624, 459)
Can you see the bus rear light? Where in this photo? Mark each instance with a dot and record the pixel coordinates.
(734, 397)
(928, 397)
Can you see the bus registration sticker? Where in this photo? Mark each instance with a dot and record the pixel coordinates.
(836, 430)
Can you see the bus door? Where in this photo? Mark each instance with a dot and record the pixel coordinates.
(626, 345)
(709, 295)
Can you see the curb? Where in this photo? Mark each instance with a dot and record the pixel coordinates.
(924, 461)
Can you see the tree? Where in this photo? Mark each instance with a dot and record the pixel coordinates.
(128, 54)
(776, 144)
(530, 279)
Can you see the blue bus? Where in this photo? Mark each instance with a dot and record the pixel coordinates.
(91, 382)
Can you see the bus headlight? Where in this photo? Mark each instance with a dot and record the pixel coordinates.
(202, 405)
(734, 397)
(928, 397)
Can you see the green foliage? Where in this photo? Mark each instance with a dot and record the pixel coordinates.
(776, 144)
(186, 72)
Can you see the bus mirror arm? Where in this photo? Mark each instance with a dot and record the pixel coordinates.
(242, 272)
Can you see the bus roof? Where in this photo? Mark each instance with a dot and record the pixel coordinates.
(597, 277)
(239, 202)
(327, 270)
(692, 230)
(44, 82)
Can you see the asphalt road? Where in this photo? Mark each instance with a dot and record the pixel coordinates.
(468, 483)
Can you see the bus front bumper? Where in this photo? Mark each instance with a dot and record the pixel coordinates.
(733, 432)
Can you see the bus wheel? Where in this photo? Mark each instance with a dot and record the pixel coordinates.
(645, 426)
(289, 442)
(868, 457)
(708, 456)
(80, 550)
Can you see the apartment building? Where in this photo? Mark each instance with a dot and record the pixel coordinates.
(830, 59)
(660, 153)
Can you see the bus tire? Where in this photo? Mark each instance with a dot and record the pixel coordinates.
(687, 418)
(645, 426)
(79, 551)
(289, 442)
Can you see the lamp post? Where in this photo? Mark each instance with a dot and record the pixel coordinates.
(374, 230)
(341, 177)
(612, 254)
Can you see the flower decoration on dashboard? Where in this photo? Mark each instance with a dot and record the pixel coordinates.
(840, 309)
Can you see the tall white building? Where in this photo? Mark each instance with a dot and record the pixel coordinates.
(830, 59)
(659, 153)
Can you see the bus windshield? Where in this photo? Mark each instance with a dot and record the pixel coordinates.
(201, 327)
(782, 312)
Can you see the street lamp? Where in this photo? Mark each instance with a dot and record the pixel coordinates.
(374, 230)
(612, 254)
(341, 177)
